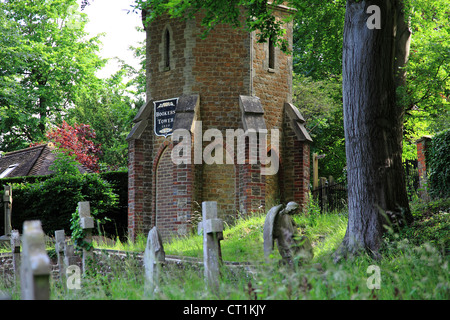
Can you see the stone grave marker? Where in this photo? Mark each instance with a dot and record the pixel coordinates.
(7, 203)
(212, 234)
(60, 241)
(69, 256)
(154, 258)
(87, 224)
(280, 227)
(35, 263)
(15, 250)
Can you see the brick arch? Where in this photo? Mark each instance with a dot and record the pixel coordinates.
(162, 147)
(164, 213)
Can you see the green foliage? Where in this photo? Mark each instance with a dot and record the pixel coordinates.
(318, 38)
(438, 168)
(320, 102)
(426, 97)
(108, 108)
(45, 58)
(54, 200)
(64, 164)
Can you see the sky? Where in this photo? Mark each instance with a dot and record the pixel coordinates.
(112, 17)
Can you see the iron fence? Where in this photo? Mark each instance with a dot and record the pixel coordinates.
(334, 197)
(331, 197)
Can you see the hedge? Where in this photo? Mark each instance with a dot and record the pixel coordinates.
(438, 165)
(53, 199)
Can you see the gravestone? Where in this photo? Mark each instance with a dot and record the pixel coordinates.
(69, 256)
(154, 258)
(280, 227)
(15, 250)
(87, 224)
(60, 241)
(6, 228)
(212, 234)
(35, 263)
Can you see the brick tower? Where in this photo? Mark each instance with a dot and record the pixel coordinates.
(227, 81)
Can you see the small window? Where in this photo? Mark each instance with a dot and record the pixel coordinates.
(167, 50)
(271, 54)
(8, 170)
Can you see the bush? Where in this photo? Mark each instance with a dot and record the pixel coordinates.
(438, 159)
(54, 199)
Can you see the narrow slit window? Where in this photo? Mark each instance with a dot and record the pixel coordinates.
(167, 50)
(271, 54)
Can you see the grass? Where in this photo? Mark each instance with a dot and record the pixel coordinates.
(415, 265)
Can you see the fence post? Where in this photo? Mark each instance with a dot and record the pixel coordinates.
(324, 195)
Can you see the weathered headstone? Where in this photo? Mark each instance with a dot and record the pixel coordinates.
(212, 234)
(280, 227)
(60, 243)
(69, 256)
(35, 263)
(154, 258)
(87, 224)
(7, 203)
(15, 250)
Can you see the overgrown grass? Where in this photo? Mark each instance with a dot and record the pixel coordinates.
(414, 265)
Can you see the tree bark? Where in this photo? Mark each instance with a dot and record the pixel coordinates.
(373, 126)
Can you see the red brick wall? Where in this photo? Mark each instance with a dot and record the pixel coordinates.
(165, 214)
(139, 183)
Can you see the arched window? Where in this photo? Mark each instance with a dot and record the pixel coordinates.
(167, 49)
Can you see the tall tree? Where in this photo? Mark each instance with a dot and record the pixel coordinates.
(373, 61)
(109, 107)
(45, 57)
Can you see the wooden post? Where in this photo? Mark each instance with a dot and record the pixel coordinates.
(324, 194)
(212, 234)
(315, 171)
(87, 224)
(35, 264)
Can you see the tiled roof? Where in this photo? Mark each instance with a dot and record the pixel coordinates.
(33, 161)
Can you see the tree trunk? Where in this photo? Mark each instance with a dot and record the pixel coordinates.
(373, 126)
